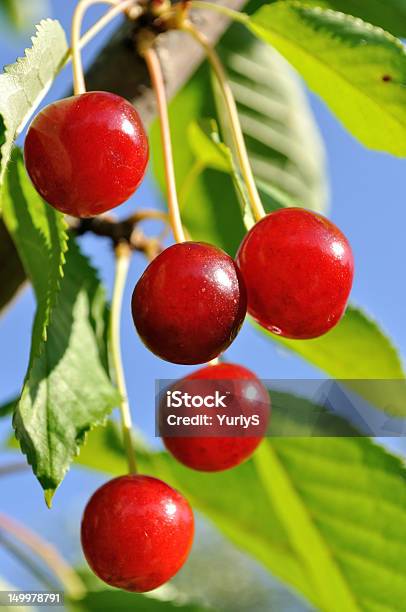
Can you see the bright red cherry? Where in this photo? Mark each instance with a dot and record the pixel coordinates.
(87, 154)
(190, 303)
(136, 532)
(246, 396)
(298, 269)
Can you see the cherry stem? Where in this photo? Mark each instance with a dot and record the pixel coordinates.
(119, 6)
(123, 257)
(125, 230)
(219, 8)
(70, 580)
(109, 16)
(149, 214)
(157, 80)
(231, 107)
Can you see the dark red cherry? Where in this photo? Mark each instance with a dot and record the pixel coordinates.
(245, 395)
(86, 154)
(136, 532)
(189, 304)
(298, 269)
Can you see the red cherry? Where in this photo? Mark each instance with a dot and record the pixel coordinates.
(190, 303)
(248, 397)
(86, 154)
(136, 532)
(298, 268)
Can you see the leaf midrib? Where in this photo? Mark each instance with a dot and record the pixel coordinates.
(266, 454)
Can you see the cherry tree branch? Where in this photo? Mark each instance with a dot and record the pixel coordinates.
(121, 70)
(13, 468)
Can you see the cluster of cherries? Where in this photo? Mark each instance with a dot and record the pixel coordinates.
(293, 273)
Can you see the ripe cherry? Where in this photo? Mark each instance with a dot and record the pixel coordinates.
(246, 395)
(136, 532)
(298, 268)
(87, 154)
(190, 303)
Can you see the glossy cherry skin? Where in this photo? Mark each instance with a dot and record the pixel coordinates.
(86, 154)
(217, 453)
(190, 303)
(298, 269)
(136, 532)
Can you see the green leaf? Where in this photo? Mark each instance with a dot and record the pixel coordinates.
(325, 515)
(21, 14)
(331, 586)
(297, 417)
(359, 70)
(39, 234)
(212, 153)
(12, 274)
(210, 208)
(25, 83)
(101, 596)
(10, 8)
(67, 388)
(336, 498)
(357, 353)
(109, 599)
(388, 14)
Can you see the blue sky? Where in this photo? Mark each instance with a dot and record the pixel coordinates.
(365, 203)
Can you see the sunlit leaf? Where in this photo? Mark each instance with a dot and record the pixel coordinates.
(359, 70)
(388, 14)
(358, 353)
(67, 388)
(25, 83)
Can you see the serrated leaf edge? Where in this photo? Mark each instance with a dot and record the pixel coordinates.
(253, 25)
(80, 438)
(39, 30)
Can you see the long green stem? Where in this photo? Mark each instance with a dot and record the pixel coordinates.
(119, 6)
(70, 580)
(219, 8)
(105, 20)
(231, 107)
(155, 71)
(123, 256)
